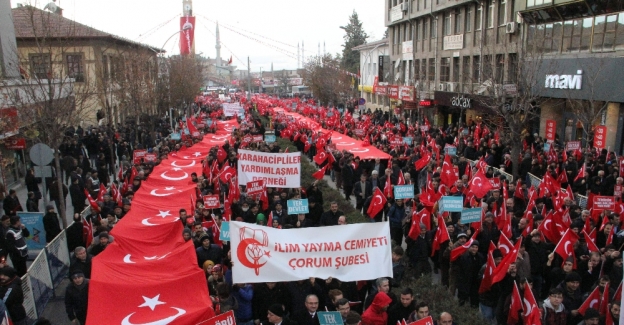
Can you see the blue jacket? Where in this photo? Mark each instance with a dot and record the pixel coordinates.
(243, 296)
(396, 215)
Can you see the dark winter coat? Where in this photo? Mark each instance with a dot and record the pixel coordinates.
(13, 297)
(51, 226)
(76, 301)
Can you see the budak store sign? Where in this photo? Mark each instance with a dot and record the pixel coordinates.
(349, 253)
(275, 169)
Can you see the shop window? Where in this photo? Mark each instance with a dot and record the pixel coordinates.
(599, 30)
(548, 35)
(609, 34)
(445, 69)
(600, 7)
(586, 34)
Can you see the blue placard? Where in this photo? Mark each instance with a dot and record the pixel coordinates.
(408, 140)
(471, 215)
(224, 234)
(330, 318)
(186, 131)
(176, 136)
(361, 101)
(269, 138)
(340, 110)
(404, 191)
(298, 206)
(546, 147)
(34, 223)
(208, 122)
(451, 151)
(452, 204)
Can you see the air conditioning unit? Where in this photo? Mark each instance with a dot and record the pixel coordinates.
(442, 86)
(510, 28)
(451, 86)
(404, 6)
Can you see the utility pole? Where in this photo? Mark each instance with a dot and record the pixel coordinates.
(248, 81)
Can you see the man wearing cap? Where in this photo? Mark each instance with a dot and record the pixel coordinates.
(51, 223)
(104, 239)
(591, 317)
(76, 298)
(16, 244)
(572, 296)
(275, 315)
(468, 281)
(208, 251)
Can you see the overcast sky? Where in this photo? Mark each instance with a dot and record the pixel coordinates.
(286, 22)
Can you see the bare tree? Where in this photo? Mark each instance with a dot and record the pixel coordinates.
(185, 80)
(56, 94)
(326, 80)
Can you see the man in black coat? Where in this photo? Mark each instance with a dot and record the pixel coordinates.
(77, 298)
(330, 218)
(12, 294)
(208, 251)
(266, 295)
(468, 282)
(81, 262)
(402, 310)
(275, 316)
(309, 315)
(51, 223)
(362, 190)
(348, 178)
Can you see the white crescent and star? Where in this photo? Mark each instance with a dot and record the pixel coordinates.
(151, 303)
(128, 258)
(164, 175)
(528, 308)
(358, 150)
(146, 222)
(175, 164)
(504, 247)
(342, 143)
(475, 178)
(565, 248)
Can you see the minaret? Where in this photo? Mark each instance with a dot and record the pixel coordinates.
(319, 49)
(218, 46)
(324, 49)
(298, 62)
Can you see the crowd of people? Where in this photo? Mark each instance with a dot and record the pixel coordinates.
(515, 212)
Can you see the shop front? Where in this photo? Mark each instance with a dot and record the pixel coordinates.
(451, 108)
(578, 90)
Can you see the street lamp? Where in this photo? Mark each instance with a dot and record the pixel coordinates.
(185, 28)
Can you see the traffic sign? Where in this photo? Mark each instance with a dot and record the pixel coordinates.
(41, 154)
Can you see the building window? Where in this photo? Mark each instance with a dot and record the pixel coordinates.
(476, 67)
(469, 19)
(75, 68)
(531, 3)
(455, 69)
(490, 14)
(431, 73)
(502, 13)
(604, 33)
(512, 74)
(466, 70)
(619, 38)
(458, 22)
(41, 66)
(425, 4)
(500, 68)
(445, 69)
(434, 28)
(447, 23)
(479, 17)
(548, 38)
(425, 28)
(417, 70)
(105, 67)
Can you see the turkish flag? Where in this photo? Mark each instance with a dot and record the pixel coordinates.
(423, 216)
(459, 250)
(423, 161)
(165, 175)
(87, 231)
(516, 306)
(592, 301)
(161, 195)
(387, 191)
(423, 321)
(479, 185)
(490, 265)
(101, 193)
(377, 204)
(604, 301)
(401, 179)
(565, 247)
(581, 173)
(519, 192)
(319, 174)
(227, 173)
(320, 157)
(221, 154)
(532, 315)
(505, 245)
(591, 246)
(153, 223)
(548, 229)
(94, 206)
(150, 295)
(501, 269)
(192, 129)
(441, 236)
(234, 190)
(448, 176)
(563, 177)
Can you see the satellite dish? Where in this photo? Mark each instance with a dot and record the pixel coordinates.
(51, 6)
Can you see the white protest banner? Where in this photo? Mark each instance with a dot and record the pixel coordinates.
(276, 169)
(348, 252)
(231, 109)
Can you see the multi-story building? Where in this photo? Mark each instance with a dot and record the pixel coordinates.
(372, 58)
(582, 43)
(455, 52)
(450, 48)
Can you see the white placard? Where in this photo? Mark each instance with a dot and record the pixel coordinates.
(276, 169)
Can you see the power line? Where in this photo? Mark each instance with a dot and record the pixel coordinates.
(227, 48)
(156, 28)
